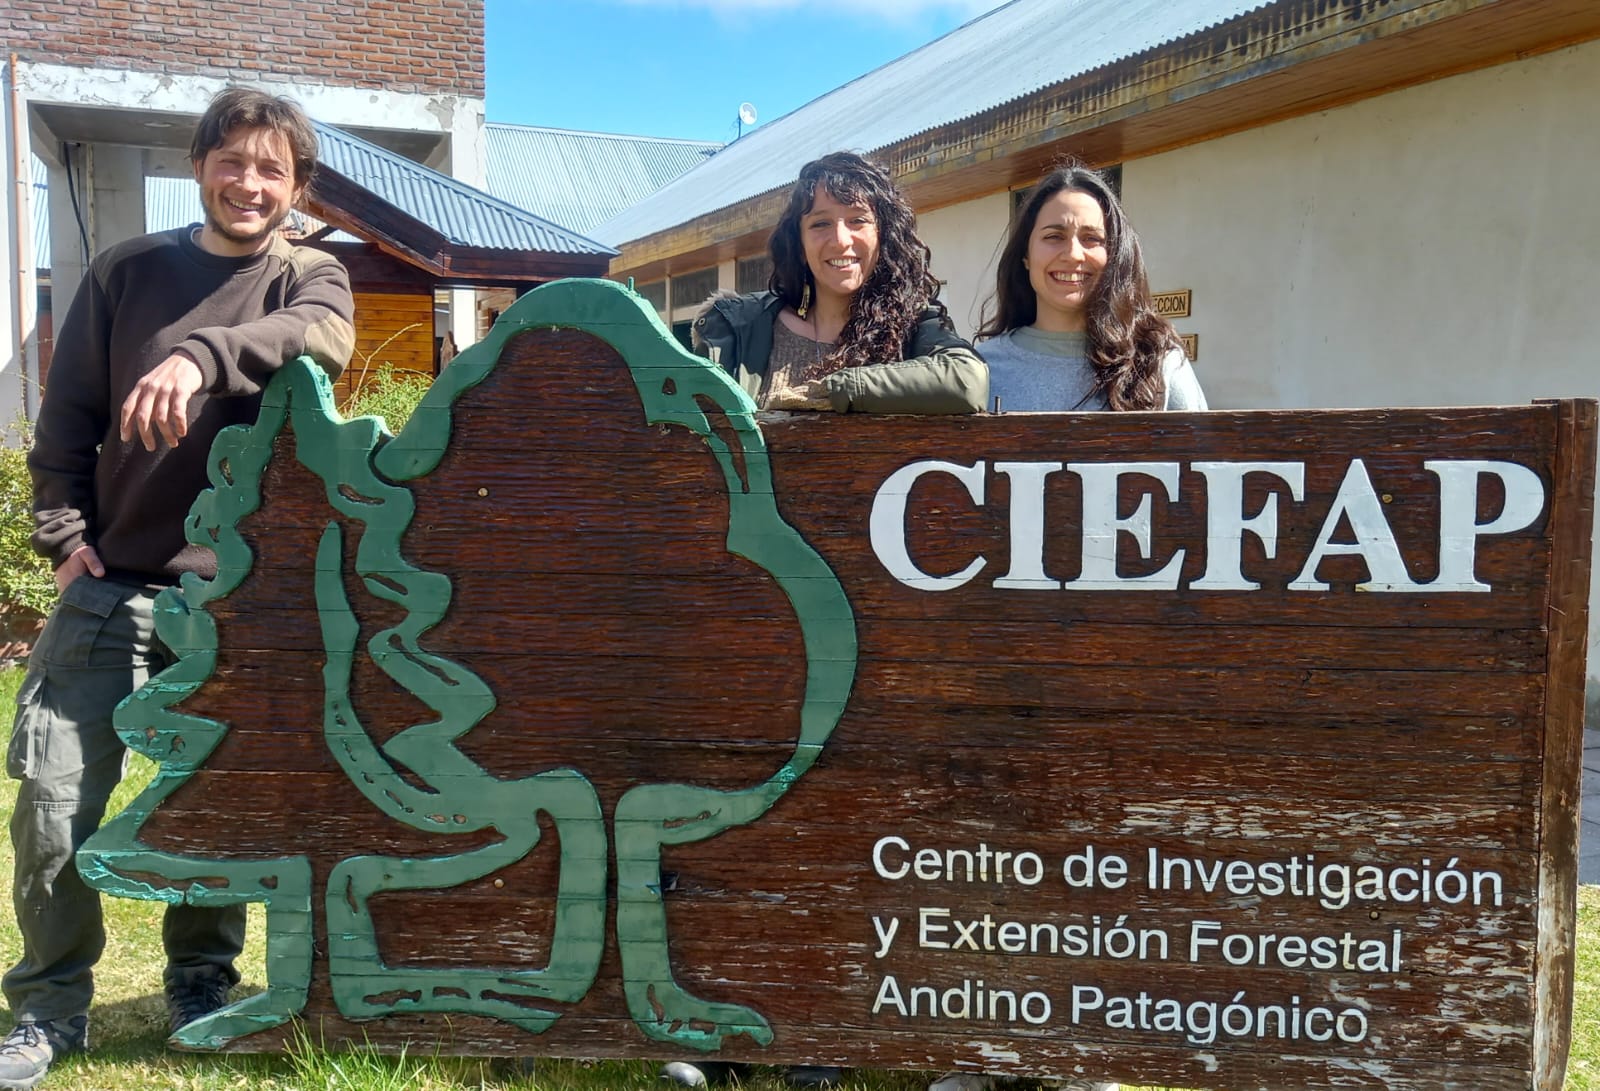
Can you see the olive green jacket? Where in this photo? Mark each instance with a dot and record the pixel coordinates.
(940, 373)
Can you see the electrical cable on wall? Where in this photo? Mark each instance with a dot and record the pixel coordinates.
(72, 191)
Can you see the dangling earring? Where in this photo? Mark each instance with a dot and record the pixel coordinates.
(805, 299)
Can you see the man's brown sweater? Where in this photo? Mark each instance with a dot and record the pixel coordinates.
(239, 318)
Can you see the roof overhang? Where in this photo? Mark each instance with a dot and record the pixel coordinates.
(1283, 60)
(345, 204)
(150, 128)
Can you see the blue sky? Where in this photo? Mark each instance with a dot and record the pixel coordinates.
(681, 68)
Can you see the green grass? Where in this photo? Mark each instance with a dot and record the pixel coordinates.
(129, 1018)
(1583, 1063)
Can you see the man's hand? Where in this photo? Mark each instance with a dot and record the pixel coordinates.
(83, 560)
(160, 402)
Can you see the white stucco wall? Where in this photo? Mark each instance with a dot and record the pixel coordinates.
(965, 240)
(1438, 245)
(1435, 246)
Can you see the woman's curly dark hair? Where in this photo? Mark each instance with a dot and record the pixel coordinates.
(885, 312)
(1127, 339)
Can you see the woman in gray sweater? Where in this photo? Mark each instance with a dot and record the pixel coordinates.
(1074, 327)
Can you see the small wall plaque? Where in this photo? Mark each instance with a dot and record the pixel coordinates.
(1191, 345)
(1173, 304)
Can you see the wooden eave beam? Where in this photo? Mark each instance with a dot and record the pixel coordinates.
(478, 263)
(372, 269)
(329, 208)
(1291, 59)
(331, 200)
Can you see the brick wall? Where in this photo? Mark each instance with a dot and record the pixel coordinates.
(419, 46)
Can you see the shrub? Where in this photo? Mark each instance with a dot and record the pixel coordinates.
(26, 579)
(390, 394)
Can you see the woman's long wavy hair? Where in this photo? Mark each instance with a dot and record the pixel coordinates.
(886, 310)
(1127, 339)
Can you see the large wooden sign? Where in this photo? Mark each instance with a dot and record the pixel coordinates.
(595, 715)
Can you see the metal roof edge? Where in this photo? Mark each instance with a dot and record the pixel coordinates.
(556, 130)
(905, 58)
(466, 190)
(1175, 46)
(1083, 73)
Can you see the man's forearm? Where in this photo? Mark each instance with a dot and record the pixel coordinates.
(316, 320)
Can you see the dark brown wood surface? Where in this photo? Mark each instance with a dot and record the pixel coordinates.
(594, 594)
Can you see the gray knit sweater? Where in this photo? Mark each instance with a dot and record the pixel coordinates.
(1032, 371)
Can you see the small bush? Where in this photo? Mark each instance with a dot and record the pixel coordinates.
(390, 394)
(26, 579)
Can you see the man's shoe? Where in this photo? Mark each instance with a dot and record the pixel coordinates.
(193, 994)
(704, 1074)
(31, 1047)
(813, 1075)
(963, 1081)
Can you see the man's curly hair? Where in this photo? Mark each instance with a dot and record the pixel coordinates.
(885, 312)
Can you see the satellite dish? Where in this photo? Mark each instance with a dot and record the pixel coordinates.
(747, 116)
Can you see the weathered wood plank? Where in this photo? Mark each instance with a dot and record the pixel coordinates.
(1572, 518)
(542, 729)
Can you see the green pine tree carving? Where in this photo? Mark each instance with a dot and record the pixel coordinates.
(418, 776)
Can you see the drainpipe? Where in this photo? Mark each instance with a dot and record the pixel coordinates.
(23, 238)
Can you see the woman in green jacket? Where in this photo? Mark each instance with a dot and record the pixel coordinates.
(852, 320)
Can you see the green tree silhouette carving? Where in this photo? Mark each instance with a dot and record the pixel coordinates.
(418, 776)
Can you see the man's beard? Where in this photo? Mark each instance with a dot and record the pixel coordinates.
(265, 231)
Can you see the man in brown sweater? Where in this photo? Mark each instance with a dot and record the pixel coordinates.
(170, 338)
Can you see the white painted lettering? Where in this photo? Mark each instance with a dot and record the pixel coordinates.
(1459, 529)
(1102, 527)
(885, 935)
(1027, 525)
(878, 865)
(1080, 870)
(887, 523)
(929, 928)
(1226, 524)
(1374, 544)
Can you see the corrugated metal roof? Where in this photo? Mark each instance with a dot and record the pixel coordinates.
(581, 179)
(41, 212)
(171, 201)
(1013, 51)
(462, 214)
(573, 179)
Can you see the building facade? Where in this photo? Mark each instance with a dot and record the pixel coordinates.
(106, 94)
(1367, 204)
